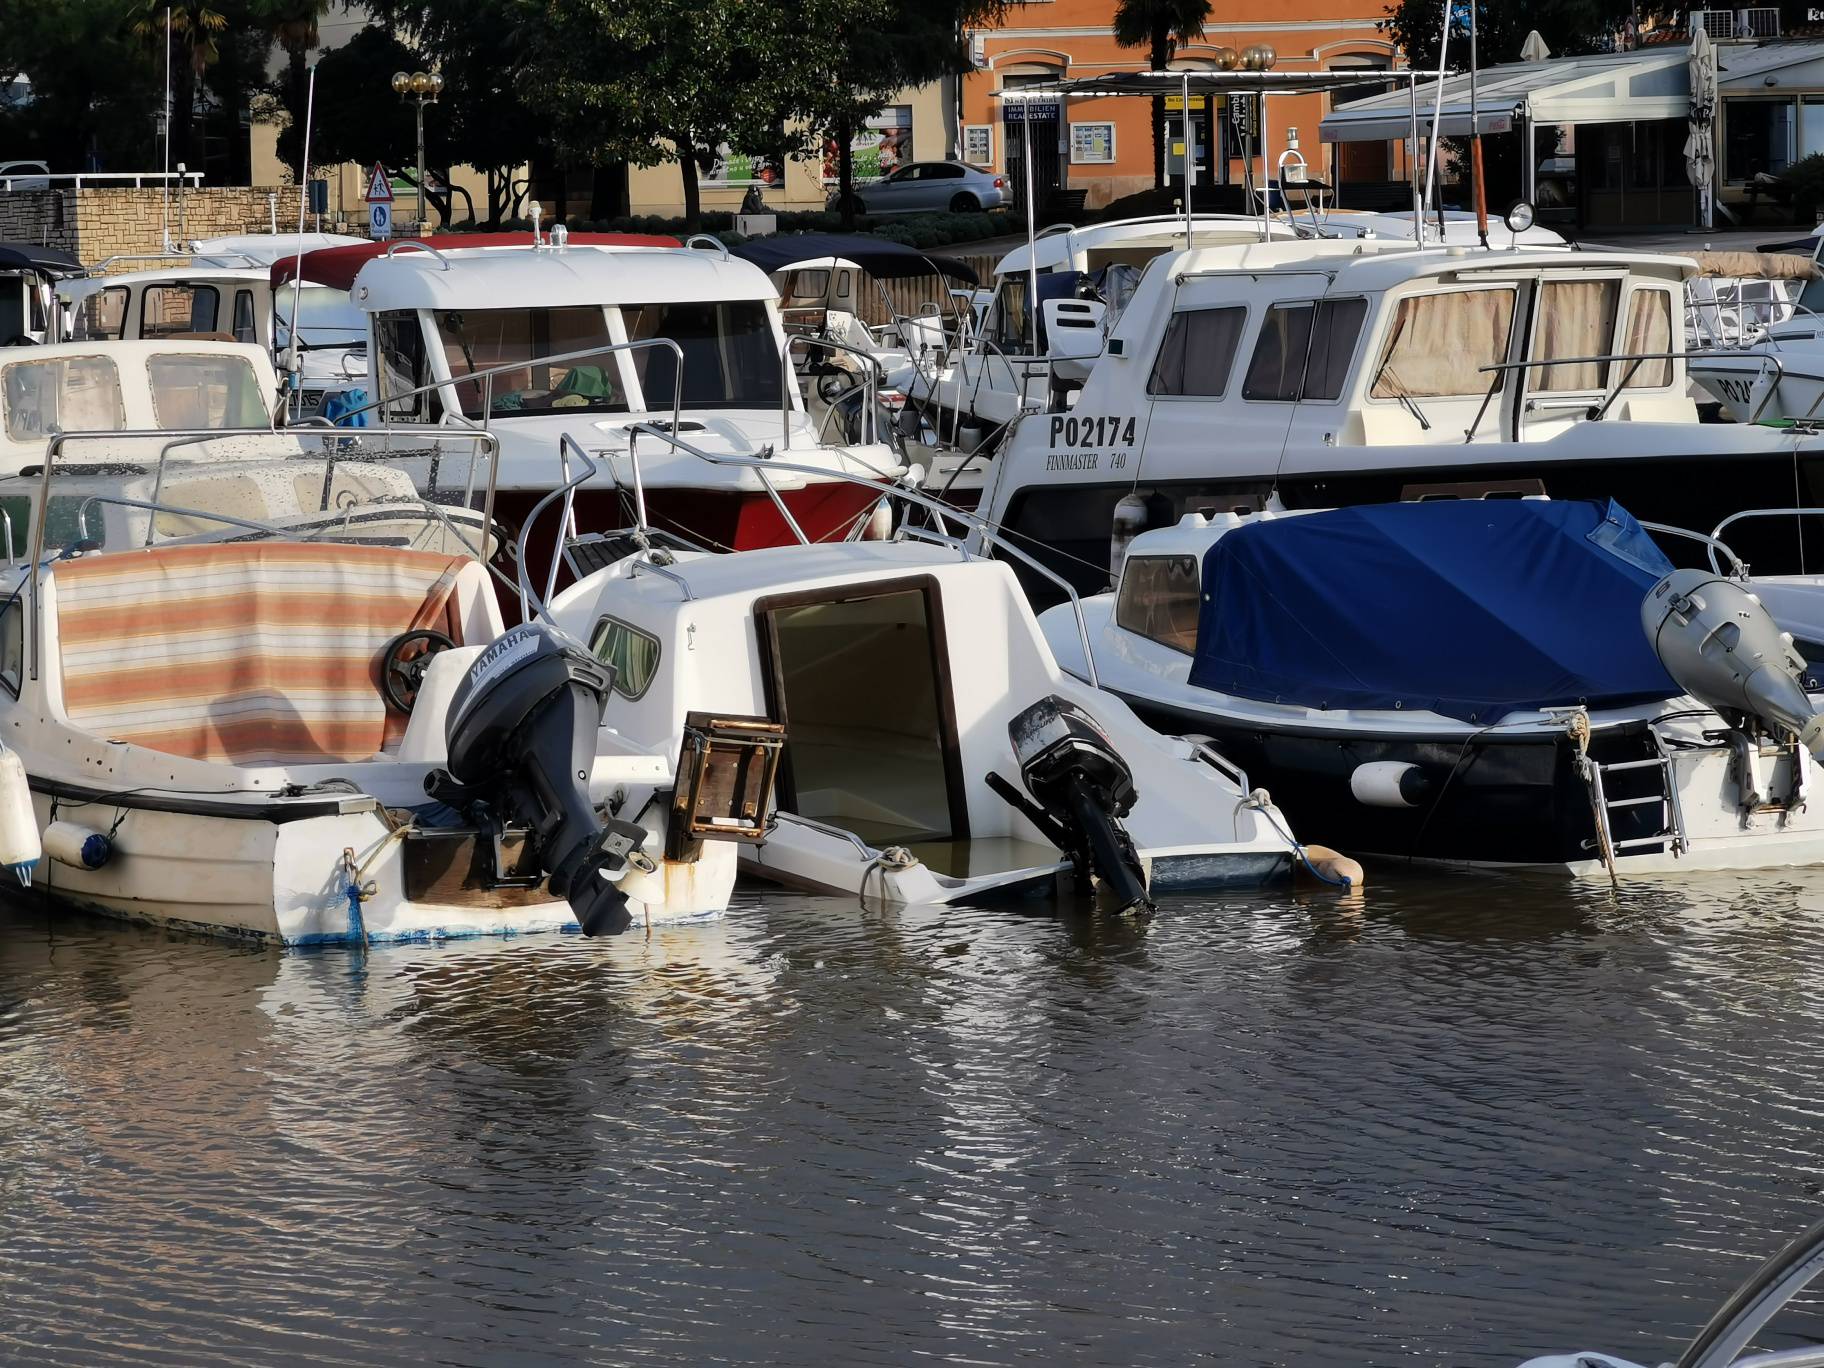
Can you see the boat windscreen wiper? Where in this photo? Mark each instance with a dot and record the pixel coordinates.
(1412, 408)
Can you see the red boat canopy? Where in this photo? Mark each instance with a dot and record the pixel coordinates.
(338, 266)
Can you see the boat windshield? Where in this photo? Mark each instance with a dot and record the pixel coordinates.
(481, 339)
(192, 391)
(731, 356)
(326, 318)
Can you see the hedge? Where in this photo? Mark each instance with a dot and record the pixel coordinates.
(919, 230)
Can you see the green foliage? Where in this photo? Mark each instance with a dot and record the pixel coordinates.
(1159, 26)
(1569, 27)
(358, 118)
(920, 230)
(1804, 181)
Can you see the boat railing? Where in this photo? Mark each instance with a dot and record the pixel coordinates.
(532, 605)
(1717, 532)
(464, 423)
(1733, 1328)
(412, 245)
(1711, 544)
(871, 367)
(170, 439)
(766, 467)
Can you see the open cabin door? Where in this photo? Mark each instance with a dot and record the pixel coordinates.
(859, 675)
(1574, 317)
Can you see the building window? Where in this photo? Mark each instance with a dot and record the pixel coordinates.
(978, 144)
(1198, 353)
(878, 148)
(1092, 144)
(1757, 137)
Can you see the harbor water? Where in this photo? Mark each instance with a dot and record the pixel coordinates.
(1458, 1123)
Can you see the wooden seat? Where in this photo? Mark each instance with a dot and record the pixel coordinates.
(261, 653)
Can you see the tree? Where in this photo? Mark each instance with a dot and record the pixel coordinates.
(1160, 26)
(869, 51)
(91, 88)
(194, 26)
(664, 79)
(294, 24)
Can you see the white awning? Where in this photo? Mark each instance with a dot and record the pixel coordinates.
(1606, 88)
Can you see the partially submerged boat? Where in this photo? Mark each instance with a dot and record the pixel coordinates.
(933, 750)
(1469, 682)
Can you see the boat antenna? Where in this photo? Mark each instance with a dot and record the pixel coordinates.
(1032, 231)
(1190, 154)
(1437, 111)
(1477, 188)
(294, 362)
(165, 202)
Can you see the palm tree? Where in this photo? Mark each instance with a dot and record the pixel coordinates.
(294, 24)
(194, 26)
(1160, 26)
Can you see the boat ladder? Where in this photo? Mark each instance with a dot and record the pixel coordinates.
(1671, 817)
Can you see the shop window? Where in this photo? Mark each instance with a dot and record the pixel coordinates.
(1757, 137)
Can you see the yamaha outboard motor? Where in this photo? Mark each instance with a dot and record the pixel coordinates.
(521, 735)
(1081, 790)
(1721, 646)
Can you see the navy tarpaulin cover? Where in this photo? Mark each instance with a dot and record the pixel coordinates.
(1471, 608)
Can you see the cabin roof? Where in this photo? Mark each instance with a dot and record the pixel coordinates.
(1158, 230)
(201, 274)
(547, 277)
(773, 570)
(1380, 264)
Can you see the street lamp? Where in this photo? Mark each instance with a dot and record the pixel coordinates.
(425, 87)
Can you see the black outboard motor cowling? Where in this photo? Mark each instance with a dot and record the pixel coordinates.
(1084, 788)
(521, 736)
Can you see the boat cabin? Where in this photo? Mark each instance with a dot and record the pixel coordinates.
(28, 277)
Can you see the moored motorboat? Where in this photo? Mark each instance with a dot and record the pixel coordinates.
(1465, 682)
(324, 741)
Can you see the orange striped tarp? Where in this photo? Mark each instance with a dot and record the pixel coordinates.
(258, 653)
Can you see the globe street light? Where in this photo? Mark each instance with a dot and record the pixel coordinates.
(425, 87)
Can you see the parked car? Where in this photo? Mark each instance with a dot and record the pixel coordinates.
(24, 175)
(931, 187)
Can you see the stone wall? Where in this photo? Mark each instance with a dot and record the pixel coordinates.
(123, 221)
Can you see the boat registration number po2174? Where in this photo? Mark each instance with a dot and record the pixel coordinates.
(1070, 431)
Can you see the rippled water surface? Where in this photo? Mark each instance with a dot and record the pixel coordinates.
(1467, 1122)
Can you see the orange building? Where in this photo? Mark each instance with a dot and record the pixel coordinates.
(1104, 147)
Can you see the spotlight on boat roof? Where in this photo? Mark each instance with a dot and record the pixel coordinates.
(1519, 218)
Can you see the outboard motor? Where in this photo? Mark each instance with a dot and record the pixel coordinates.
(521, 735)
(1721, 646)
(1081, 790)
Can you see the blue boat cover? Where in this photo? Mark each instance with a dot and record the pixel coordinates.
(1472, 608)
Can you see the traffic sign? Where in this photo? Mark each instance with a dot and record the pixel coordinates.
(379, 189)
(380, 220)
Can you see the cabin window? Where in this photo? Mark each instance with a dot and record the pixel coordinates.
(1198, 352)
(326, 318)
(102, 314)
(245, 329)
(633, 654)
(731, 357)
(402, 365)
(481, 339)
(168, 310)
(1575, 318)
(69, 394)
(1649, 330)
(1278, 366)
(1008, 327)
(12, 644)
(205, 392)
(1333, 337)
(1159, 599)
(807, 289)
(1439, 344)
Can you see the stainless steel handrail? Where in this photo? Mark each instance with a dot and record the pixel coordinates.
(653, 567)
(942, 510)
(530, 605)
(1741, 566)
(1754, 1303)
(1745, 513)
(869, 431)
(413, 245)
(152, 505)
(176, 437)
(488, 373)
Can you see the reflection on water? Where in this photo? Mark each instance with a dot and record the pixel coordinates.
(1463, 1122)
